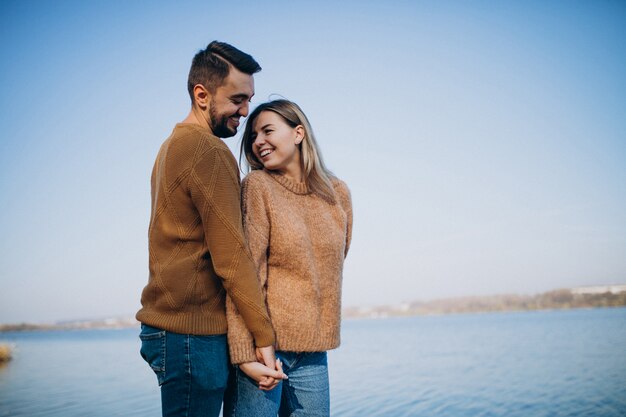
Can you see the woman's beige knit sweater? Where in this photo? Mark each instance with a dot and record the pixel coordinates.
(298, 242)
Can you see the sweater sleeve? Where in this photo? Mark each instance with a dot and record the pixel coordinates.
(345, 199)
(215, 190)
(256, 226)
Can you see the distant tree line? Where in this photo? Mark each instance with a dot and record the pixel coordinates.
(119, 323)
(552, 300)
(557, 299)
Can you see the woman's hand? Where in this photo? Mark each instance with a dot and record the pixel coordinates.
(266, 377)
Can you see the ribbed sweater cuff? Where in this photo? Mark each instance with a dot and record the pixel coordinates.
(265, 336)
(241, 352)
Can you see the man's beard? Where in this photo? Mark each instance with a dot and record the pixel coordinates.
(219, 124)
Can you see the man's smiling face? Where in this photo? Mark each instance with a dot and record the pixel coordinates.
(230, 102)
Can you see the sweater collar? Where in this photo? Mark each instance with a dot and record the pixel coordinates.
(196, 127)
(295, 187)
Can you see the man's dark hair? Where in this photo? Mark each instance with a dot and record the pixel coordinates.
(210, 66)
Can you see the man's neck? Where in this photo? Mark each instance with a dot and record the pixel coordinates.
(196, 117)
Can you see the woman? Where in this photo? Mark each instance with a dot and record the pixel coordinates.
(298, 222)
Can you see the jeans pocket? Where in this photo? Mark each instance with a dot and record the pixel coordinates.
(153, 350)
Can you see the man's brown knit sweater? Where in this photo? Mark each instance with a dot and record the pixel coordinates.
(196, 241)
(298, 242)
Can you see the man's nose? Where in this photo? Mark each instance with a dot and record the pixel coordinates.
(243, 110)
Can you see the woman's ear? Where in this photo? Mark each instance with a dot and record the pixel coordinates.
(299, 134)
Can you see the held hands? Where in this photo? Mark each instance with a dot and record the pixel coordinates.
(266, 377)
(268, 371)
(266, 356)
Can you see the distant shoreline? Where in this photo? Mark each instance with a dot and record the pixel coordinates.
(562, 299)
(467, 313)
(102, 324)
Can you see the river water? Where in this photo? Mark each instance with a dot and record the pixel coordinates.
(550, 363)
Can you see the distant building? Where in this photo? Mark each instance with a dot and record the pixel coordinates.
(600, 289)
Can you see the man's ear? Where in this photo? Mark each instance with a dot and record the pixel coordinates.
(201, 96)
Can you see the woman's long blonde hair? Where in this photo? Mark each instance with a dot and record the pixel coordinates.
(316, 176)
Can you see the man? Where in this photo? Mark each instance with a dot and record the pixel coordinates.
(196, 246)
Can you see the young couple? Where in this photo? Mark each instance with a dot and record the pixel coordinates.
(249, 275)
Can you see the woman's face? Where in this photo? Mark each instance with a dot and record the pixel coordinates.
(276, 143)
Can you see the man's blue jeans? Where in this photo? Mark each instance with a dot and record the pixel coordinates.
(191, 370)
(305, 393)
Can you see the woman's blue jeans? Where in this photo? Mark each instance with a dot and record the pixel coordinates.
(305, 393)
(191, 370)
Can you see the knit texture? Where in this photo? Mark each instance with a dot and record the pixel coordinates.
(196, 241)
(298, 242)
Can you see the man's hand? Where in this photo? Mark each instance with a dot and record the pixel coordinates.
(266, 356)
(266, 377)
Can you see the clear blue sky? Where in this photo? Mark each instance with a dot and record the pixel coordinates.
(484, 142)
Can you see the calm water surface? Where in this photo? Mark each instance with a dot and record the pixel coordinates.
(555, 363)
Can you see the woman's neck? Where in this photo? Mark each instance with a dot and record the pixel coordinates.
(293, 171)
